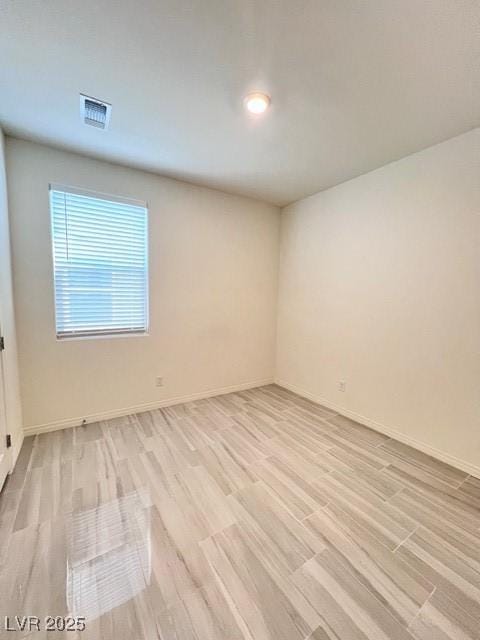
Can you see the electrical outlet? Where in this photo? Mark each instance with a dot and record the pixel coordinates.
(342, 386)
(159, 381)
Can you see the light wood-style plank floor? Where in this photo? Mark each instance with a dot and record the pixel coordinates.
(256, 515)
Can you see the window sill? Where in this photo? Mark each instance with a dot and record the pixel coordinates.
(103, 336)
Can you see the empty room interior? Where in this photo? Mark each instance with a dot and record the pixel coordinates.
(240, 319)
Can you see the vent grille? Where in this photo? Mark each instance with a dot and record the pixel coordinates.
(95, 113)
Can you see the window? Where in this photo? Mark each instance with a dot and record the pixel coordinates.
(100, 263)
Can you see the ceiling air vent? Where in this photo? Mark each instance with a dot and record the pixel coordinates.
(95, 112)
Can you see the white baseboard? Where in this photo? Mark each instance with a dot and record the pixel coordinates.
(139, 408)
(458, 463)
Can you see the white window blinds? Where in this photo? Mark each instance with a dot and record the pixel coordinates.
(100, 263)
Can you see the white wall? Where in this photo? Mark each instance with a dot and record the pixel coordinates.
(213, 290)
(7, 320)
(380, 287)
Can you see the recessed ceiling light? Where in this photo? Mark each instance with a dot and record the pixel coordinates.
(257, 103)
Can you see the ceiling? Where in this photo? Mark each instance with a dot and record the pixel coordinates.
(354, 84)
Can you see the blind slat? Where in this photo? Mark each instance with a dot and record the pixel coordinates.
(100, 264)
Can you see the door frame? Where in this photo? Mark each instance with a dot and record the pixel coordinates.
(5, 452)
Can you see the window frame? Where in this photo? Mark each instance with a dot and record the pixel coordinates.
(99, 333)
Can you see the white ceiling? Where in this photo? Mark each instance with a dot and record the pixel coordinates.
(354, 84)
